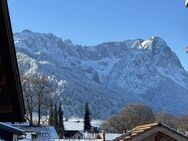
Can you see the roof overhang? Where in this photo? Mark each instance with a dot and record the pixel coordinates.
(186, 3)
(11, 99)
(11, 129)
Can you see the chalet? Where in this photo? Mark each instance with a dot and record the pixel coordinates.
(153, 132)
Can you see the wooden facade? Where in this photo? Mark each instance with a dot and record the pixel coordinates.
(11, 98)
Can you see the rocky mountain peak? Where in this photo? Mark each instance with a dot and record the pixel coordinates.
(27, 31)
(111, 74)
(154, 43)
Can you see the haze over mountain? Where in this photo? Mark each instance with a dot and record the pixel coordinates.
(109, 75)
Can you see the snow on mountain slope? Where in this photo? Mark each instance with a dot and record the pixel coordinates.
(109, 75)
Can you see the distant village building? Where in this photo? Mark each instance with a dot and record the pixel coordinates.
(73, 134)
(78, 124)
(153, 132)
(74, 129)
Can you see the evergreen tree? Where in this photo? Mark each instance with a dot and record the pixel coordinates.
(56, 118)
(60, 122)
(51, 115)
(87, 120)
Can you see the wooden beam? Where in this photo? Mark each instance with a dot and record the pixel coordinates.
(5, 109)
(161, 135)
(10, 85)
(157, 138)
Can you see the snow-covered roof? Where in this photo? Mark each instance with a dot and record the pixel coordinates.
(17, 123)
(78, 125)
(50, 130)
(73, 125)
(111, 136)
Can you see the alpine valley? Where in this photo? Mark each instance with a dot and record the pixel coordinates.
(109, 75)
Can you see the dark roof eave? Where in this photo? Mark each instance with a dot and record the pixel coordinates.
(11, 129)
(13, 77)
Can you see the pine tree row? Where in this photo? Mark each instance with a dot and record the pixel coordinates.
(56, 119)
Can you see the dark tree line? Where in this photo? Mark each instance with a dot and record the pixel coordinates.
(56, 119)
(87, 118)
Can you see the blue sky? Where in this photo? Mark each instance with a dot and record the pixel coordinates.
(90, 22)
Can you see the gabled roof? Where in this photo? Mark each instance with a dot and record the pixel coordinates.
(139, 130)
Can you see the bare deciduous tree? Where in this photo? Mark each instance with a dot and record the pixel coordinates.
(131, 116)
(178, 122)
(37, 94)
(29, 98)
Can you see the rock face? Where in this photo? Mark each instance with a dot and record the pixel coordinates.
(109, 75)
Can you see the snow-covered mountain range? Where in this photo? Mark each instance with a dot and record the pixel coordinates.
(109, 75)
